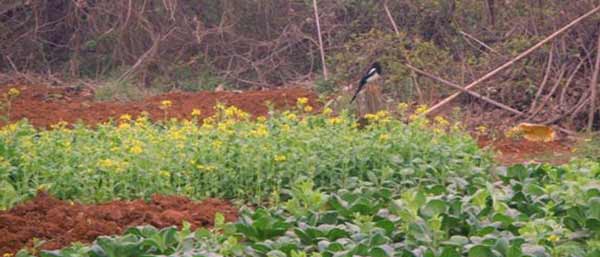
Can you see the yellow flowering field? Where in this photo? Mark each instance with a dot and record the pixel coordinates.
(228, 155)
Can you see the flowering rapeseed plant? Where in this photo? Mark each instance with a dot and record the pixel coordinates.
(302, 101)
(280, 158)
(230, 152)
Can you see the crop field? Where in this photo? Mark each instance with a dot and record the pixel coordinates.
(297, 182)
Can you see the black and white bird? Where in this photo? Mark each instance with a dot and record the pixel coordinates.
(373, 74)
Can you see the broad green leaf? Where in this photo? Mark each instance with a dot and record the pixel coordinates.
(434, 207)
(480, 251)
(594, 208)
(449, 252)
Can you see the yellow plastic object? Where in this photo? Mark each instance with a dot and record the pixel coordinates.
(535, 132)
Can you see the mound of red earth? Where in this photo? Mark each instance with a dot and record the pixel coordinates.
(512, 151)
(44, 106)
(61, 223)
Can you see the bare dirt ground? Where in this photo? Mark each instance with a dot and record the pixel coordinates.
(44, 106)
(61, 223)
(509, 151)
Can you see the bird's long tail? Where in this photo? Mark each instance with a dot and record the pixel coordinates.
(357, 91)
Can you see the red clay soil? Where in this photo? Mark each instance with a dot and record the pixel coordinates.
(512, 151)
(61, 223)
(44, 106)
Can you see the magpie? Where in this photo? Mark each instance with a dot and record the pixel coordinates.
(373, 74)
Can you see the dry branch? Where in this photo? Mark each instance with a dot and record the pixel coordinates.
(456, 86)
(544, 81)
(390, 17)
(511, 62)
(594, 89)
(316, 9)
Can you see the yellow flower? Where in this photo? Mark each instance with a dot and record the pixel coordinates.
(60, 125)
(14, 92)
(42, 187)
(124, 126)
(261, 119)
(7, 255)
(230, 111)
(166, 104)
(402, 107)
(233, 112)
(291, 116)
(414, 117)
(208, 121)
(441, 121)
(384, 137)
(260, 131)
(553, 238)
(371, 117)
(206, 168)
(217, 144)
(380, 116)
(106, 163)
(175, 134)
(196, 112)
(302, 100)
(481, 129)
(335, 120)
(285, 128)
(136, 149)
(164, 174)
(280, 158)
(327, 111)
(438, 130)
(125, 117)
(421, 109)
(308, 108)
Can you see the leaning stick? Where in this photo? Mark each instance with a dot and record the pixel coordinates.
(594, 89)
(511, 62)
(389, 14)
(456, 86)
(316, 9)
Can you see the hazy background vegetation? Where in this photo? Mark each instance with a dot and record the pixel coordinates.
(161, 45)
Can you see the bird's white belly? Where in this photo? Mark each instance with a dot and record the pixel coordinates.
(373, 78)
